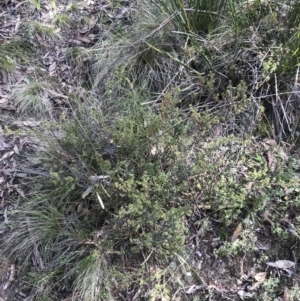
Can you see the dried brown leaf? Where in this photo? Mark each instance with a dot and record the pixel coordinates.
(19, 4)
(194, 288)
(31, 123)
(5, 285)
(250, 186)
(83, 30)
(3, 145)
(237, 232)
(7, 107)
(281, 264)
(254, 287)
(283, 155)
(17, 26)
(270, 141)
(76, 42)
(79, 207)
(20, 191)
(88, 191)
(137, 295)
(244, 294)
(84, 39)
(100, 201)
(54, 93)
(12, 272)
(289, 271)
(7, 155)
(156, 149)
(3, 100)
(16, 150)
(272, 162)
(5, 216)
(262, 246)
(260, 277)
(286, 294)
(52, 67)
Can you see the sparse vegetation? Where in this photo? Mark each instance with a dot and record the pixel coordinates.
(172, 170)
(38, 30)
(62, 20)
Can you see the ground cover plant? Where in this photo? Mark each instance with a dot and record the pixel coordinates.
(168, 161)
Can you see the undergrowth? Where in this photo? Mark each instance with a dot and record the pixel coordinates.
(191, 108)
(120, 189)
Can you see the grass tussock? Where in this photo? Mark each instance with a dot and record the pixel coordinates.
(34, 98)
(40, 31)
(13, 55)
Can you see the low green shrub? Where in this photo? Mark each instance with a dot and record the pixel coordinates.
(119, 190)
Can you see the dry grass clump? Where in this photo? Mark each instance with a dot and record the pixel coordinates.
(255, 45)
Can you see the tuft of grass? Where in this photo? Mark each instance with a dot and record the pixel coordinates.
(32, 98)
(197, 16)
(37, 4)
(62, 20)
(13, 54)
(37, 29)
(74, 7)
(17, 49)
(7, 67)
